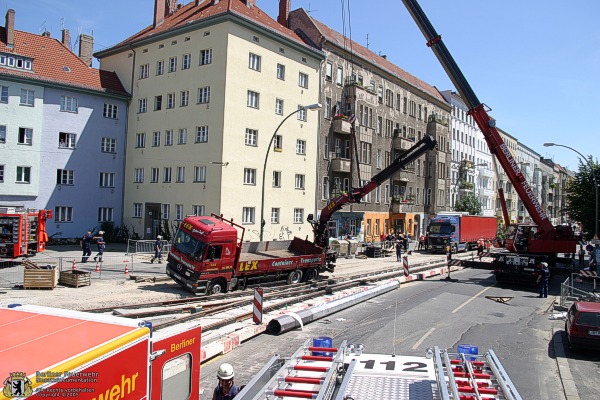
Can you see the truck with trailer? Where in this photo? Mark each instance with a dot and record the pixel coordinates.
(209, 256)
(544, 241)
(22, 231)
(56, 353)
(460, 231)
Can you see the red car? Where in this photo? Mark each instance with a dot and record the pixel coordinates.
(583, 325)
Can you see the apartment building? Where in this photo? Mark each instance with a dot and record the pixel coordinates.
(529, 163)
(62, 131)
(374, 111)
(218, 90)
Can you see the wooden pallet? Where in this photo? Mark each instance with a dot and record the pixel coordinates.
(40, 278)
(75, 278)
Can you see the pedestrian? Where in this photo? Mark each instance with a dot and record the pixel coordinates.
(543, 279)
(421, 244)
(157, 250)
(101, 246)
(226, 389)
(405, 242)
(398, 250)
(581, 254)
(480, 244)
(86, 246)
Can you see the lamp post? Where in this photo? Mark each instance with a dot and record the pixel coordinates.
(262, 196)
(593, 172)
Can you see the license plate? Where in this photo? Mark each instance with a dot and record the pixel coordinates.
(594, 333)
(177, 276)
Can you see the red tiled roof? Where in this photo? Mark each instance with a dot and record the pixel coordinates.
(342, 41)
(190, 13)
(50, 57)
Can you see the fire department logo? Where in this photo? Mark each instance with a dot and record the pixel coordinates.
(17, 385)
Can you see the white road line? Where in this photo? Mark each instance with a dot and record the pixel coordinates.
(471, 299)
(429, 332)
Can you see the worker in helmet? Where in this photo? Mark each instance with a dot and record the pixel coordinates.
(544, 275)
(226, 389)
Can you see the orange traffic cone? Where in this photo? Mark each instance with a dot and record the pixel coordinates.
(97, 267)
(74, 267)
(126, 269)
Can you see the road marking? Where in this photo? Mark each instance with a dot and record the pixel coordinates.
(471, 299)
(429, 332)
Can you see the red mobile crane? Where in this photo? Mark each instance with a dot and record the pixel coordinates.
(534, 242)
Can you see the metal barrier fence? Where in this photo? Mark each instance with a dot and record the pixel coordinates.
(578, 287)
(145, 246)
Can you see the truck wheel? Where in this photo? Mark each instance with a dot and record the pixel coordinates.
(454, 249)
(311, 274)
(216, 287)
(294, 277)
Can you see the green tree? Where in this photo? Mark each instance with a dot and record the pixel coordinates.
(581, 196)
(469, 203)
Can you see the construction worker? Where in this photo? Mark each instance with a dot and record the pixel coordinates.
(101, 245)
(157, 250)
(480, 244)
(543, 279)
(86, 246)
(226, 389)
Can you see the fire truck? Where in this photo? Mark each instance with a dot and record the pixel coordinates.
(55, 353)
(209, 256)
(23, 232)
(527, 244)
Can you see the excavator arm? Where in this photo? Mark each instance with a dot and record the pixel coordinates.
(357, 194)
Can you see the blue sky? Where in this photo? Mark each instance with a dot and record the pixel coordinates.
(536, 63)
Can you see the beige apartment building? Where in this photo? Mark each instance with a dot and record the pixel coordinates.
(211, 84)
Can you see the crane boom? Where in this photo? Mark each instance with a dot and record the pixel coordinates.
(486, 124)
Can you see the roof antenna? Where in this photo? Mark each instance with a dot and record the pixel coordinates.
(367, 40)
(309, 10)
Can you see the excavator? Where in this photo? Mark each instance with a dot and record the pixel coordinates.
(526, 244)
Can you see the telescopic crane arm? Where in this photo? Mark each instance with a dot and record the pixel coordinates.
(484, 121)
(356, 194)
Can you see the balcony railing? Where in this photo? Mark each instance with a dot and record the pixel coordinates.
(341, 125)
(340, 165)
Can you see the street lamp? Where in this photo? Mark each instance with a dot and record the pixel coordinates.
(593, 172)
(262, 197)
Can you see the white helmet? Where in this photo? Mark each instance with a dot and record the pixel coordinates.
(225, 371)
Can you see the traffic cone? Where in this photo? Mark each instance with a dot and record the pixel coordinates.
(74, 267)
(126, 269)
(97, 267)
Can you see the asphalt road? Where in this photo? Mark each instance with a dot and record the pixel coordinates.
(436, 312)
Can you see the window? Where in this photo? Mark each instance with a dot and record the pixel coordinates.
(254, 62)
(23, 174)
(325, 188)
(167, 174)
(279, 106)
(138, 175)
(389, 98)
(184, 98)
(109, 145)
(186, 61)
(339, 78)
(328, 71)
(251, 137)
(171, 100)
(140, 140)
(204, 95)
(160, 67)
(68, 103)
(247, 215)
(157, 103)
(380, 94)
(172, 64)
(27, 97)
(154, 173)
(66, 140)
(299, 181)
(142, 105)
(303, 80)
(301, 147)
(200, 173)
(165, 211)
(180, 175)
(326, 148)
(276, 179)
(253, 99)
(280, 71)
(2, 133)
(63, 214)
(274, 215)
(201, 134)
(365, 153)
(182, 136)
(3, 94)
(107, 179)
(64, 176)
(249, 176)
(298, 215)
(110, 111)
(178, 212)
(379, 125)
(156, 139)
(301, 113)
(144, 69)
(138, 210)
(328, 107)
(205, 56)
(379, 159)
(169, 137)
(278, 143)
(198, 210)
(25, 136)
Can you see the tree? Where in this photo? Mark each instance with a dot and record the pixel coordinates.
(581, 195)
(469, 203)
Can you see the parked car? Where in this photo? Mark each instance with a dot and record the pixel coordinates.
(583, 325)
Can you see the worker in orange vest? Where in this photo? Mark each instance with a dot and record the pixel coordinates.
(480, 244)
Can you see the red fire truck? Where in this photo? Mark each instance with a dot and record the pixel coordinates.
(56, 353)
(23, 232)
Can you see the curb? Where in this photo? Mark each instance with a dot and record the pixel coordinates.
(569, 388)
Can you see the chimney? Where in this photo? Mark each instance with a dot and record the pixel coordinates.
(249, 3)
(10, 28)
(66, 38)
(160, 12)
(86, 48)
(284, 12)
(46, 34)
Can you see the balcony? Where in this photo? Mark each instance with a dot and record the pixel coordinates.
(401, 142)
(341, 125)
(340, 165)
